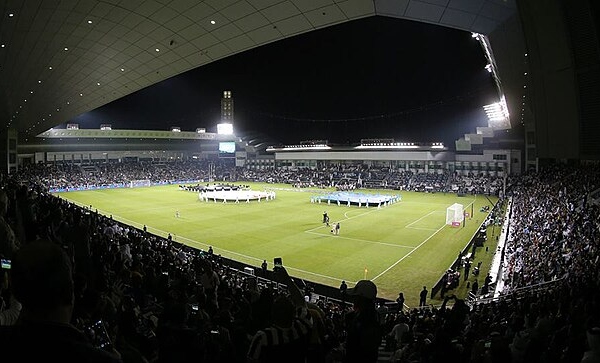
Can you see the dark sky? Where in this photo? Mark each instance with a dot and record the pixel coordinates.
(370, 78)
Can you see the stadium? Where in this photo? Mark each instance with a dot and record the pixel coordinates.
(341, 212)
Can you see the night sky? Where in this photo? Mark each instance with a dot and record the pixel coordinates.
(370, 78)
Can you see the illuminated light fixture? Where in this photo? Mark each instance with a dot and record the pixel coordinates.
(2, 45)
(68, 103)
(89, 21)
(122, 69)
(105, 127)
(175, 129)
(31, 92)
(98, 83)
(200, 130)
(10, 15)
(50, 68)
(66, 48)
(81, 95)
(298, 147)
(213, 22)
(39, 81)
(437, 145)
(497, 114)
(158, 50)
(488, 68)
(225, 129)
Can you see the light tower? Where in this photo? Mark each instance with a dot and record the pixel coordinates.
(227, 108)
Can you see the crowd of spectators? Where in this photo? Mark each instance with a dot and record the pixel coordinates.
(428, 182)
(550, 234)
(160, 301)
(475, 184)
(343, 177)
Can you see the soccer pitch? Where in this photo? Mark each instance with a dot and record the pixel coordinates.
(401, 247)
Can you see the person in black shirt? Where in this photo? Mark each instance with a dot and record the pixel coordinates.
(264, 268)
(400, 301)
(363, 326)
(343, 288)
(423, 297)
(286, 339)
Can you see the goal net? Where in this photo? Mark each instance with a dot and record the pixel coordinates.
(140, 183)
(455, 214)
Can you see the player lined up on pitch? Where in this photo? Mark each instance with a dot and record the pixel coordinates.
(326, 218)
(335, 227)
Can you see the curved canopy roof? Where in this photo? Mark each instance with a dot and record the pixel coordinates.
(61, 58)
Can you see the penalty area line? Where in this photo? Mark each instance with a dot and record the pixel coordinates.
(408, 254)
(191, 241)
(362, 240)
(260, 260)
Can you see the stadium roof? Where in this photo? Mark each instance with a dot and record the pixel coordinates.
(62, 58)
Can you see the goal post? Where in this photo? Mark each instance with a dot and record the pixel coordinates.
(455, 214)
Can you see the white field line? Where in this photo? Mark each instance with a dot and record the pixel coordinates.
(260, 260)
(418, 220)
(205, 245)
(361, 240)
(312, 231)
(416, 248)
(347, 218)
(307, 231)
(408, 254)
(421, 228)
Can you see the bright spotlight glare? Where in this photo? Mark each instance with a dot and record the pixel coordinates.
(225, 129)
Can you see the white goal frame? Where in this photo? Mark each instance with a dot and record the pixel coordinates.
(455, 214)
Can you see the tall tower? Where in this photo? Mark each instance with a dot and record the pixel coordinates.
(227, 108)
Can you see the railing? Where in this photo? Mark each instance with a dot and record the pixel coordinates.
(472, 299)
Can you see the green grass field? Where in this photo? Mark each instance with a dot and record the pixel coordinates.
(400, 247)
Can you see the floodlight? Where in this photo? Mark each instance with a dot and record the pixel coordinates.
(497, 114)
(225, 129)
